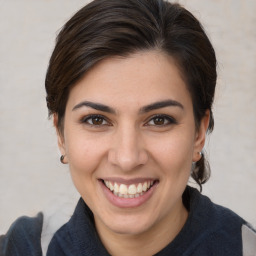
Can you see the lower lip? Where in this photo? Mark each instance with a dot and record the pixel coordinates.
(127, 202)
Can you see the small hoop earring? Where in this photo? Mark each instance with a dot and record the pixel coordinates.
(62, 159)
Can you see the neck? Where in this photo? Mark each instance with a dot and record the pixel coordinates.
(147, 243)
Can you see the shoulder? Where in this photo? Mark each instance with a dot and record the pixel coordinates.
(224, 229)
(220, 228)
(216, 216)
(23, 237)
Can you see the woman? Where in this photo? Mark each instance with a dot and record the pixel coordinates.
(130, 86)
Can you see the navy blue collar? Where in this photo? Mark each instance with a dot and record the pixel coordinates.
(209, 230)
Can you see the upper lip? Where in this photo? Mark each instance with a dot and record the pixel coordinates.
(128, 181)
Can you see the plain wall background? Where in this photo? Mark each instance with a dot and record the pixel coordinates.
(31, 177)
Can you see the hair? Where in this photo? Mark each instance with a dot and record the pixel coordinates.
(107, 28)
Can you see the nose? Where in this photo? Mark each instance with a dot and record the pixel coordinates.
(127, 151)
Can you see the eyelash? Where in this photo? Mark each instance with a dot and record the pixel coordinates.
(87, 118)
(168, 120)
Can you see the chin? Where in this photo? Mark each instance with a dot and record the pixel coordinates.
(130, 225)
(129, 230)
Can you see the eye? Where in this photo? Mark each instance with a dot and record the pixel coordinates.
(95, 120)
(161, 120)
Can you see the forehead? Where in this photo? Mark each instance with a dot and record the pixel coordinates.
(138, 79)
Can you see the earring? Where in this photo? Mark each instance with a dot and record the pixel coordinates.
(62, 159)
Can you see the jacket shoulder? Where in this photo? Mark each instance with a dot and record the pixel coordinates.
(23, 237)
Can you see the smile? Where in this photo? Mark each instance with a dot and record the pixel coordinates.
(129, 191)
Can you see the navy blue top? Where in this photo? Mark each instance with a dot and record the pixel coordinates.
(209, 230)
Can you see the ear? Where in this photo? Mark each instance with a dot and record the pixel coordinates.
(60, 136)
(201, 136)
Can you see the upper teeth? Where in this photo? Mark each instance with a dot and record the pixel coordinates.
(131, 189)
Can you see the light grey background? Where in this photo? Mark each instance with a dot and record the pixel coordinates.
(31, 177)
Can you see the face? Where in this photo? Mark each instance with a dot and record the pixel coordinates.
(130, 139)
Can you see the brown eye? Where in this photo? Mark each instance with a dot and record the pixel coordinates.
(161, 120)
(95, 120)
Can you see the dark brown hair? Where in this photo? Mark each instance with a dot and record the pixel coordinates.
(106, 28)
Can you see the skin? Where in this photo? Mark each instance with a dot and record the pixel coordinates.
(130, 143)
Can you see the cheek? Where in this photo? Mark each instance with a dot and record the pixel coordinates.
(84, 156)
(174, 153)
(84, 153)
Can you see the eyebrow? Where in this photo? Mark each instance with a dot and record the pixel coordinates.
(145, 109)
(94, 105)
(161, 104)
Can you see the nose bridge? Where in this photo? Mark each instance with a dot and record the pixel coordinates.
(128, 152)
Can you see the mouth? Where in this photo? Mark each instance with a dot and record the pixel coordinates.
(129, 191)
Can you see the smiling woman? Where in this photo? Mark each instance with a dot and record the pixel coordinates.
(130, 85)
(135, 152)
